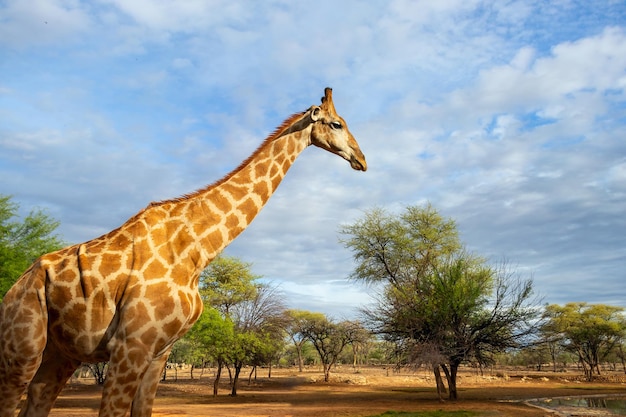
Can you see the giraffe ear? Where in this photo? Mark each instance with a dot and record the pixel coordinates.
(315, 113)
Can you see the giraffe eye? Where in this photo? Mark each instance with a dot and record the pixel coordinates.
(335, 125)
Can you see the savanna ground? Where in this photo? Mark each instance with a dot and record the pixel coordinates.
(367, 392)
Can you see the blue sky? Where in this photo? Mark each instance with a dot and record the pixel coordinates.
(507, 116)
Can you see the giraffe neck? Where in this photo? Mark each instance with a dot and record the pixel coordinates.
(216, 215)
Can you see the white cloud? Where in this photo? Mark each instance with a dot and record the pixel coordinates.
(41, 22)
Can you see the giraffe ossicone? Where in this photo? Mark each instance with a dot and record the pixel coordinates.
(127, 296)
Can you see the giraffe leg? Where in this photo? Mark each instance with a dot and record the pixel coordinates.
(129, 362)
(23, 337)
(144, 398)
(48, 382)
(14, 379)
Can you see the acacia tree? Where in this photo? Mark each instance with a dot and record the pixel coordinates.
(295, 326)
(22, 242)
(590, 331)
(437, 303)
(330, 338)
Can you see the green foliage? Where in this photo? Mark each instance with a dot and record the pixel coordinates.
(243, 320)
(438, 304)
(22, 242)
(296, 322)
(330, 338)
(590, 331)
(212, 336)
(398, 249)
(226, 282)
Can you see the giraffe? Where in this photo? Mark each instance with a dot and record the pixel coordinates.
(127, 296)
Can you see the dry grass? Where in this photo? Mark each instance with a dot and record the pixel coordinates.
(368, 392)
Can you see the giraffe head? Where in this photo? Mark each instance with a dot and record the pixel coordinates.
(331, 132)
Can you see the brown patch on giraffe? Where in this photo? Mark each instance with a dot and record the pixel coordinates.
(149, 336)
(180, 274)
(142, 252)
(139, 230)
(159, 234)
(97, 246)
(123, 366)
(214, 239)
(136, 357)
(120, 241)
(185, 302)
(285, 166)
(67, 275)
(260, 169)
(99, 309)
(262, 191)
(155, 215)
(171, 228)
(155, 269)
(74, 319)
(110, 263)
(173, 327)
(59, 295)
(53, 257)
(195, 212)
(236, 192)
(221, 203)
(138, 316)
(232, 221)
(242, 179)
(249, 209)
(183, 239)
(274, 171)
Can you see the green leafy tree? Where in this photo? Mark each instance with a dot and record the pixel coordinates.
(213, 336)
(295, 326)
(437, 304)
(22, 242)
(226, 282)
(254, 309)
(590, 331)
(330, 339)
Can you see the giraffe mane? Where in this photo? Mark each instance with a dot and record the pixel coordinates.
(278, 132)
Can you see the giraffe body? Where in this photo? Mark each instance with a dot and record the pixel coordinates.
(127, 296)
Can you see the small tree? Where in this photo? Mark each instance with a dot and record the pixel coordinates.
(295, 326)
(98, 370)
(213, 335)
(22, 242)
(329, 339)
(591, 331)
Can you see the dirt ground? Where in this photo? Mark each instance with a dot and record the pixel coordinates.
(366, 392)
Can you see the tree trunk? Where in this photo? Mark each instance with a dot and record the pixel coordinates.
(451, 377)
(326, 372)
(441, 388)
(252, 371)
(233, 392)
(300, 360)
(218, 374)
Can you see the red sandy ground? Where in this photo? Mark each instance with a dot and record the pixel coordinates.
(355, 394)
